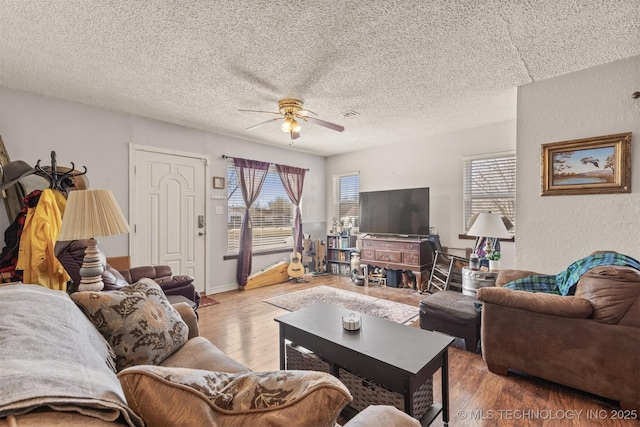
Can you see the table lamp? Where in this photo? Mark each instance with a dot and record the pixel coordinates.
(90, 214)
(489, 225)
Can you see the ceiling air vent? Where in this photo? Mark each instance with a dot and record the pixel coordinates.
(350, 113)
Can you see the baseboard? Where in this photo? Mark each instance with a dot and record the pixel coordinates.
(220, 289)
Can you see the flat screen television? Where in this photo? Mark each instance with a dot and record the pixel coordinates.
(402, 212)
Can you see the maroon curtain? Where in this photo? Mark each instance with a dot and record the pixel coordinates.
(293, 180)
(251, 175)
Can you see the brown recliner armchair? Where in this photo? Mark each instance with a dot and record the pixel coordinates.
(71, 253)
(163, 275)
(589, 341)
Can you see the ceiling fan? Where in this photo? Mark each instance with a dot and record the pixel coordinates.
(289, 110)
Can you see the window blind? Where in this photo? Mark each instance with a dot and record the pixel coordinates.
(272, 214)
(346, 198)
(490, 186)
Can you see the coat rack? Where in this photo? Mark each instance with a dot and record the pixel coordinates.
(59, 180)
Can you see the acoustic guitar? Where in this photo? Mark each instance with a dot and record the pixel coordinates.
(295, 268)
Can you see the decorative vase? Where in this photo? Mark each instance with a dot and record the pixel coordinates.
(494, 265)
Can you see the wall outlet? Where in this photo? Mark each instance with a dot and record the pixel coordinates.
(219, 210)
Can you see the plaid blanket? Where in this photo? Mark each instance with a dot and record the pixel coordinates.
(564, 283)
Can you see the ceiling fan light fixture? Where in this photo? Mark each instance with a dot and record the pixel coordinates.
(288, 124)
(291, 109)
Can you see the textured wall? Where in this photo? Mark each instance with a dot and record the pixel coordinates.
(554, 231)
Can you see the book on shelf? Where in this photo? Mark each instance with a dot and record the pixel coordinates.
(339, 242)
(339, 256)
(341, 269)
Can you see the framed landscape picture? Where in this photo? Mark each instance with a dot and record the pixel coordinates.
(597, 165)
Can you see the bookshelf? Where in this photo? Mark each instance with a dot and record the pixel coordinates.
(339, 250)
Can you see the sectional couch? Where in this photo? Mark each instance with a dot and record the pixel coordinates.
(128, 357)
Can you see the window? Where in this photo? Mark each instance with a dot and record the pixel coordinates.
(272, 214)
(346, 198)
(490, 186)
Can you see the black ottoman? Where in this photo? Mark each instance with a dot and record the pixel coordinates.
(454, 314)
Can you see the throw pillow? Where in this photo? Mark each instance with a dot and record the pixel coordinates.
(137, 320)
(112, 279)
(278, 398)
(383, 415)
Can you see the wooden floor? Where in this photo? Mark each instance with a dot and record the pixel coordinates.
(242, 326)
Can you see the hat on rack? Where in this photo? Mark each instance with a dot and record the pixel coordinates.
(13, 172)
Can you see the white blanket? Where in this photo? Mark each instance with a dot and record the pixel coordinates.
(52, 356)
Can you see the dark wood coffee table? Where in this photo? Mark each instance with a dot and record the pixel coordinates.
(400, 358)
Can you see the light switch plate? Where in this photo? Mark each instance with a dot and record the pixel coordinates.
(219, 210)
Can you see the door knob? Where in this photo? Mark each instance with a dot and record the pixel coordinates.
(201, 233)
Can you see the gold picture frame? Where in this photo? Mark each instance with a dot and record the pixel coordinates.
(598, 165)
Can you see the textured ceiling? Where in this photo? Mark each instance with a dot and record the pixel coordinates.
(409, 68)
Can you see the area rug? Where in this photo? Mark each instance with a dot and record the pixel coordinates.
(390, 310)
(205, 301)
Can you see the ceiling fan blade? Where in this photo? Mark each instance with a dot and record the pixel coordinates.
(260, 111)
(295, 135)
(304, 113)
(324, 123)
(263, 123)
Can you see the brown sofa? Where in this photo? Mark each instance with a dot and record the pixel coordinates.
(193, 382)
(172, 285)
(71, 254)
(589, 341)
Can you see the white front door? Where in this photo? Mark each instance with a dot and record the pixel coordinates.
(168, 200)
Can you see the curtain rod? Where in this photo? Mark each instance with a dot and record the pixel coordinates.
(224, 156)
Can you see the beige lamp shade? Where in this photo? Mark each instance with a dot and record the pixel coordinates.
(489, 225)
(92, 213)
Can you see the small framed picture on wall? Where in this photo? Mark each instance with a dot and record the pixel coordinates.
(218, 182)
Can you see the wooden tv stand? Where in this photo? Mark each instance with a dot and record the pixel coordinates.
(399, 253)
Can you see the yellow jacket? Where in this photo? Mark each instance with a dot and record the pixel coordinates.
(36, 257)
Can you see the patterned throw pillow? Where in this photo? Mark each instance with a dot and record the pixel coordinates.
(137, 320)
(278, 398)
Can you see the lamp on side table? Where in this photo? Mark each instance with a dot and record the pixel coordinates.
(489, 226)
(90, 214)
